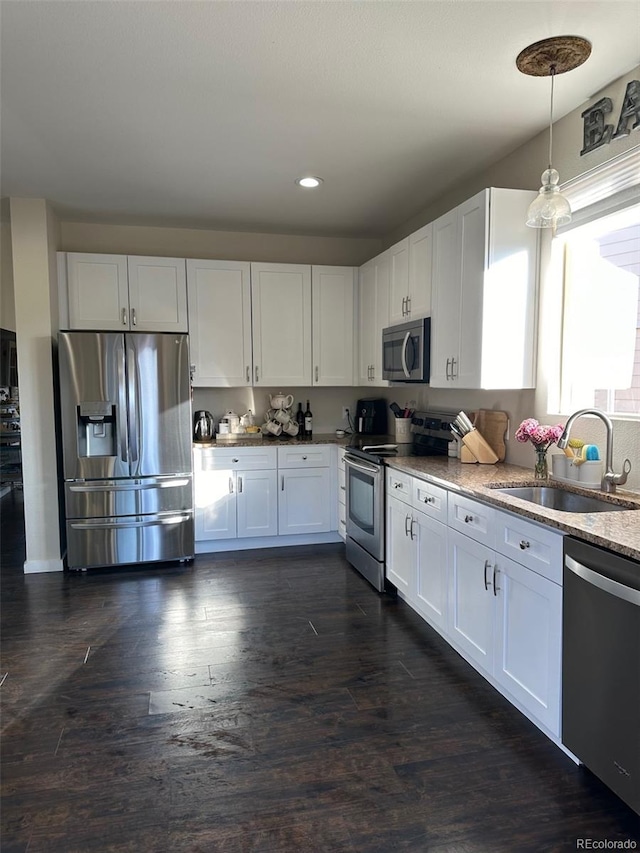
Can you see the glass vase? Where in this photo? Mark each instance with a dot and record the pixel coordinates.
(541, 468)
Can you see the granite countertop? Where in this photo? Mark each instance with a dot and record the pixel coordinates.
(280, 441)
(618, 530)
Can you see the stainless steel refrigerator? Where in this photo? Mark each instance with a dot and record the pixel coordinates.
(125, 405)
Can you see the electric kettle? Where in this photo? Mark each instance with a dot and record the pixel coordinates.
(203, 426)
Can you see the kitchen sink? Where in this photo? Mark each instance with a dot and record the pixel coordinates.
(562, 500)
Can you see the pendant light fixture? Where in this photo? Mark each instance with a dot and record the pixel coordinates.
(548, 58)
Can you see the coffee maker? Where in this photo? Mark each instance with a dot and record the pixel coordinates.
(371, 417)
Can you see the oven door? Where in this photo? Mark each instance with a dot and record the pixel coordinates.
(365, 504)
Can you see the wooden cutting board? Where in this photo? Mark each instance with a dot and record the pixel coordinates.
(492, 426)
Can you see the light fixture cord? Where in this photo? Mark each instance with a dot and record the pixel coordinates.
(553, 74)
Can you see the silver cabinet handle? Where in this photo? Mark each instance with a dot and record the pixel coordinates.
(447, 369)
(524, 544)
(404, 309)
(496, 589)
(230, 485)
(316, 372)
(282, 483)
(397, 485)
(134, 320)
(192, 371)
(235, 460)
(248, 375)
(408, 305)
(429, 500)
(124, 317)
(373, 373)
(454, 372)
(406, 525)
(468, 518)
(344, 488)
(304, 458)
(257, 375)
(239, 485)
(487, 565)
(413, 521)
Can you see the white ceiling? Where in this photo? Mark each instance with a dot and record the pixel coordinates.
(203, 113)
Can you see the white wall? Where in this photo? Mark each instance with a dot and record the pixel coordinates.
(34, 238)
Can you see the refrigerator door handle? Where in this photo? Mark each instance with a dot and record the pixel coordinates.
(132, 394)
(122, 407)
(115, 523)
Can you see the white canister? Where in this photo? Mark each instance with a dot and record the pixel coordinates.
(233, 420)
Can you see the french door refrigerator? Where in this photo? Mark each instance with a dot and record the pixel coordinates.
(125, 405)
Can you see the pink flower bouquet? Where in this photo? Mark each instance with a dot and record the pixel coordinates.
(540, 436)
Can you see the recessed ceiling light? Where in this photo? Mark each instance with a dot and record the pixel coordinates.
(309, 182)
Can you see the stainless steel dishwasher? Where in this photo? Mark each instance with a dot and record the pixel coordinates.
(601, 665)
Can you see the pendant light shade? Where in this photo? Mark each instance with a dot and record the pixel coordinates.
(546, 59)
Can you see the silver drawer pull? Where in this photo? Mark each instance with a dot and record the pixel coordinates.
(468, 518)
(304, 458)
(487, 565)
(524, 544)
(429, 500)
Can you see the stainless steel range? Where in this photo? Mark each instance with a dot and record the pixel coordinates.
(365, 492)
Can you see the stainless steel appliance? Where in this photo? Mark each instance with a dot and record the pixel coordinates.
(371, 416)
(601, 665)
(126, 434)
(365, 492)
(406, 351)
(203, 427)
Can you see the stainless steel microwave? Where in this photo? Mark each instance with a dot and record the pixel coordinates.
(406, 351)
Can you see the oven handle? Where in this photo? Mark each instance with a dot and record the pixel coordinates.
(367, 469)
(405, 367)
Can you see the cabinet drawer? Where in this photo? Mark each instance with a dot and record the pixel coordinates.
(472, 518)
(537, 548)
(313, 456)
(235, 458)
(399, 485)
(341, 452)
(430, 499)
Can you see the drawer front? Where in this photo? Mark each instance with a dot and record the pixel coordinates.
(472, 518)
(341, 452)
(400, 486)
(430, 499)
(313, 456)
(535, 547)
(235, 459)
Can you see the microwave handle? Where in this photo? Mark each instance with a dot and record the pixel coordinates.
(404, 355)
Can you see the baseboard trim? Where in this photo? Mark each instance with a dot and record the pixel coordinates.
(212, 546)
(33, 567)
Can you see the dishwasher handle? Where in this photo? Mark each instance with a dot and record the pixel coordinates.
(619, 590)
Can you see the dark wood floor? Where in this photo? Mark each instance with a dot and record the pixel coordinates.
(269, 701)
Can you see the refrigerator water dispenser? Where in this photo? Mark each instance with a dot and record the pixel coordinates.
(97, 429)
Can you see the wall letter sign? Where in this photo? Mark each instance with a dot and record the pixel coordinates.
(597, 133)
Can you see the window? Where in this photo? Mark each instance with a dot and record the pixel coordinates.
(601, 315)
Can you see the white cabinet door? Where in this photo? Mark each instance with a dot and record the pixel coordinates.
(281, 318)
(528, 640)
(366, 320)
(157, 294)
(333, 335)
(97, 292)
(383, 277)
(215, 504)
(445, 326)
(471, 252)
(398, 255)
(304, 500)
(431, 570)
(257, 502)
(400, 546)
(220, 323)
(420, 261)
(471, 619)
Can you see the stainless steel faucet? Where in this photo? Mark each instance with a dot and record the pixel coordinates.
(609, 479)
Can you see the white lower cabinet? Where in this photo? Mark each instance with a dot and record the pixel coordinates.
(503, 615)
(304, 499)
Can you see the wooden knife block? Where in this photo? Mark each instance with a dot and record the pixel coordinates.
(476, 449)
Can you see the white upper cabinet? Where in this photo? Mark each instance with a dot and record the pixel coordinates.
(220, 323)
(484, 279)
(410, 277)
(399, 282)
(373, 317)
(281, 315)
(333, 336)
(120, 293)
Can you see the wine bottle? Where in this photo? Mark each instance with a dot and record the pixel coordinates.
(308, 422)
(300, 420)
